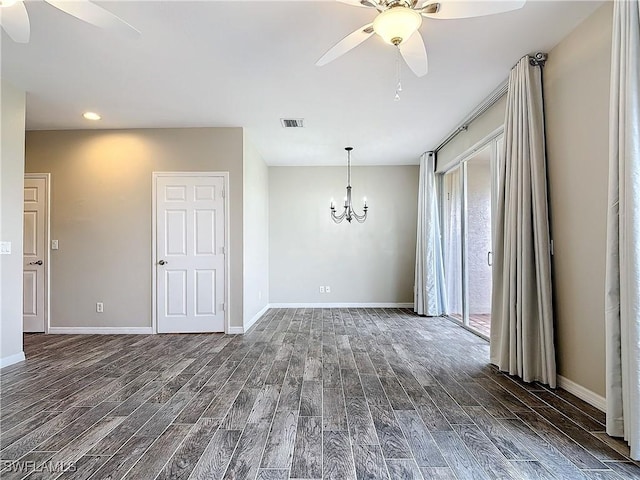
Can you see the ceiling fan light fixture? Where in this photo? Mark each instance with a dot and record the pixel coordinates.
(7, 3)
(397, 24)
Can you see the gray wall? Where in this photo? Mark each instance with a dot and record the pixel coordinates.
(12, 115)
(101, 214)
(256, 233)
(371, 262)
(577, 108)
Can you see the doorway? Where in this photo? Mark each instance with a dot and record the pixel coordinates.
(467, 192)
(35, 276)
(190, 266)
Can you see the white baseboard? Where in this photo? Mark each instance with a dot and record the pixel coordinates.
(582, 393)
(235, 331)
(11, 359)
(101, 330)
(341, 305)
(255, 318)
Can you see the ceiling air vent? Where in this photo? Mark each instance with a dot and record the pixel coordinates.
(292, 122)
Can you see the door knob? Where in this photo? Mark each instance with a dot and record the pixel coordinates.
(162, 262)
(39, 262)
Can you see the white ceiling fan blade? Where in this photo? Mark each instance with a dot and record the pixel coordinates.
(95, 15)
(15, 21)
(450, 9)
(415, 54)
(347, 43)
(360, 3)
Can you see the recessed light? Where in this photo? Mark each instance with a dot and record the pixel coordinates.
(7, 3)
(91, 116)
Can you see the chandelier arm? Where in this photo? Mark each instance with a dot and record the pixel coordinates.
(338, 218)
(360, 218)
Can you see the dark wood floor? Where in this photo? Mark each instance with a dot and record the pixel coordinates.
(307, 394)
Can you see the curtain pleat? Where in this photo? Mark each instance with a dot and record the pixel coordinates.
(452, 224)
(429, 277)
(622, 284)
(522, 336)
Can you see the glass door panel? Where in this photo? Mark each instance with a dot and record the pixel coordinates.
(478, 252)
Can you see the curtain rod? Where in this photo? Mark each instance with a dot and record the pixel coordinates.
(486, 104)
(537, 59)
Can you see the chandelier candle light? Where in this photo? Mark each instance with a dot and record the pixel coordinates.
(348, 213)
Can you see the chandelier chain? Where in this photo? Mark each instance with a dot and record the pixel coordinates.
(398, 73)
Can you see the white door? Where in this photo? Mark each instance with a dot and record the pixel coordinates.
(34, 251)
(190, 253)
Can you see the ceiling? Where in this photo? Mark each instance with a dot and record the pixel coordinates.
(250, 63)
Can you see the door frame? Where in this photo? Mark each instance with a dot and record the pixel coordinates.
(154, 255)
(47, 248)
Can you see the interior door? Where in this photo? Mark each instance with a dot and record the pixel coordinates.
(34, 252)
(190, 253)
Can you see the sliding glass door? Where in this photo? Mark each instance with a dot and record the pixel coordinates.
(478, 241)
(468, 198)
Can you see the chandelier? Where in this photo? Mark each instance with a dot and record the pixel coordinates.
(348, 213)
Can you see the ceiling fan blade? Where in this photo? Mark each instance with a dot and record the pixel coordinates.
(15, 21)
(95, 15)
(361, 3)
(347, 43)
(415, 54)
(450, 9)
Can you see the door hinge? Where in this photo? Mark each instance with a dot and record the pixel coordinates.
(551, 247)
(224, 250)
(222, 193)
(222, 307)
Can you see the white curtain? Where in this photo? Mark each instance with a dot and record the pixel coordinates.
(522, 338)
(622, 302)
(452, 188)
(429, 277)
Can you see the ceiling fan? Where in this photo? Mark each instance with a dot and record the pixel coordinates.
(398, 22)
(15, 20)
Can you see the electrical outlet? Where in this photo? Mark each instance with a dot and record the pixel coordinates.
(54, 244)
(5, 248)
(327, 289)
(321, 288)
(100, 307)
(260, 295)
